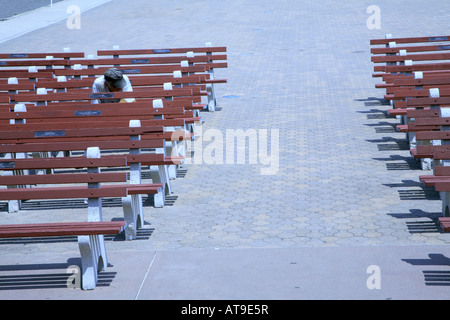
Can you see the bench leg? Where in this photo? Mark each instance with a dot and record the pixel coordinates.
(160, 174)
(211, 106)
(93, 259)
(445, 197)
(159, 199)
(411, 138)
(133, 214)
(211, 96)
(174, 148)
(13, 206)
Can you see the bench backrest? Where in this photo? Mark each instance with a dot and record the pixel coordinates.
(90, 181)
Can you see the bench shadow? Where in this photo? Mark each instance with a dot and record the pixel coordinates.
(424, 222)
(382, 126)
(169, 201)
(398, 162)
(390, 144)
(374, 101)
(33, 276)
(60, 204)
(433, 277)
(414, 190)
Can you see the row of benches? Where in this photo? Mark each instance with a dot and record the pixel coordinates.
(415, 73)
(159, 63)
(58, 145)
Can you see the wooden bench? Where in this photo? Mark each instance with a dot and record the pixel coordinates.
(194, 56)
(124, 141)
(175, 99)
(31, 74)
(437, 149)
(399, 62)
(91, 185)
(412, 87)
(66, 54)
(90, 242)
(50, 63)
(169, 110)
(393, 53)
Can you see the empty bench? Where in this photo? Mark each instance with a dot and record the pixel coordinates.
(82, 185)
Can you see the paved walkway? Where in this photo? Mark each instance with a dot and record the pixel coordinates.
(346, 194)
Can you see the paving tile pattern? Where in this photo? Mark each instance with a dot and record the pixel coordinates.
(345, 176)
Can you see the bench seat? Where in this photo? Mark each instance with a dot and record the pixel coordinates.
(61, 229)
(90, 242)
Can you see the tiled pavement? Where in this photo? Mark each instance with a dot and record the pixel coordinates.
(346, 194)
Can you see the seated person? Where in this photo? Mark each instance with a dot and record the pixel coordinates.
(112, 81)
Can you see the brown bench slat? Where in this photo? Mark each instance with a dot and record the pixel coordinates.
(420, 82)
(87, 105)
(133, 70)
(166, 161)
(414, 57)
(409, 40)
(145, 60)
(40, 55)
(57, 163)
(433, 135)
(414, 67)
(24, 74)
(61, 178)
(160, 51)
(87, 123)
(139, 158)
(74, 192)
(27, 63)
(425, 113)
(19, 86)
(73, 146)
(424, 48)
(151, 136)
(442, 186)
(441, 154)
(68, 96)
(94, 113)
(444, 223)
(143, 188)
(61, 229)
(430, 180)
(428, 152)
(439, 121)
(402, 93)
(89, 132)
(428, 101)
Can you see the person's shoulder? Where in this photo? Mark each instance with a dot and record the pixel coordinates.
(100, 79)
